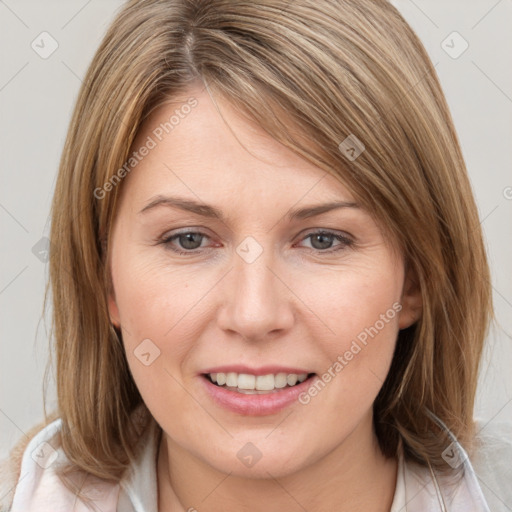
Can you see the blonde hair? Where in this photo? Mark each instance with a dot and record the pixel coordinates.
(311, 73)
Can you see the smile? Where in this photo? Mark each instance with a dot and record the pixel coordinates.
(249, 394)
(256, 384)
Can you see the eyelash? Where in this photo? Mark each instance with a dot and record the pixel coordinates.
(345, 242)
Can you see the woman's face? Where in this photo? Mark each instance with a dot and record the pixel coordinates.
(218, 267)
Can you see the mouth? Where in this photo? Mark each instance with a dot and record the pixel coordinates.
(249, 394)
(250, 384)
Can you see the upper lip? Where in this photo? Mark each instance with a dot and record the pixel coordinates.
(262, 370)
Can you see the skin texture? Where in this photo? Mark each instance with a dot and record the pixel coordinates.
(297, 305)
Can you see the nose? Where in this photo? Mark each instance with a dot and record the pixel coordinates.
(256, 302)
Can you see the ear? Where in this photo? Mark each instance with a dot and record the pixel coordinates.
(113, 310)
(412, 302)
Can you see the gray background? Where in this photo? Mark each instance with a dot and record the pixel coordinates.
(36, 100)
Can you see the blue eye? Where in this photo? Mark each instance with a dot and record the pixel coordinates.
(324, 240)
(190, 242)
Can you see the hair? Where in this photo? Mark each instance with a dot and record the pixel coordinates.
(310, 73)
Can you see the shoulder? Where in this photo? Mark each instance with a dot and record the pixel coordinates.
(10, 467)
(492, 462)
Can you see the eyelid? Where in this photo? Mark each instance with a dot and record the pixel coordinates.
(346, 240)
(168, 236)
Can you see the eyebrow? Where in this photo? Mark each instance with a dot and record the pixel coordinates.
(206, 210)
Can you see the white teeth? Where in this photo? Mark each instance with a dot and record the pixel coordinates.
(232, 380)
(280, 380)
(263, 382)
(246, 381)
(260, 383)
(292, 379)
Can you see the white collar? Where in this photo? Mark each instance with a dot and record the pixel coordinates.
(40, 489)
(418, 488)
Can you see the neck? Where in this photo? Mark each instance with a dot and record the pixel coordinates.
(354, 476)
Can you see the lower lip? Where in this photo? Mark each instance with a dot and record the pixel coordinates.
(255, 405)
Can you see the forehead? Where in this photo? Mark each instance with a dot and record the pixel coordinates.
(200, 145)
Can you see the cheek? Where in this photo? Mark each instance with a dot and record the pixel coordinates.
(162, 313)
(359, 311)
(159, 323)
(350, 302)
(156, 301)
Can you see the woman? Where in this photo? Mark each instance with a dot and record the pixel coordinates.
(269, 284)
